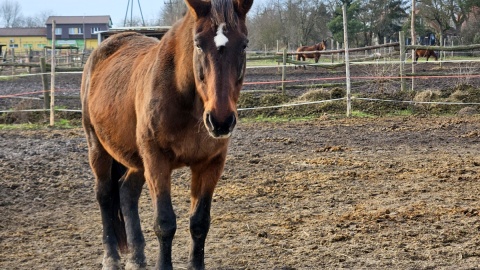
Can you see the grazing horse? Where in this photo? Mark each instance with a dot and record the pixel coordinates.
(152, 106)
(317, 47)
(425, 53)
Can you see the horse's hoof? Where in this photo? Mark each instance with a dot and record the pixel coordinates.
(110, 263)
(135, 266)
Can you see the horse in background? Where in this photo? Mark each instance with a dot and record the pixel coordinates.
(316, 47)
(151, 106)
(425, 53)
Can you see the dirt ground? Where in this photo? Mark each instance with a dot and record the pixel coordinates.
(360, 193)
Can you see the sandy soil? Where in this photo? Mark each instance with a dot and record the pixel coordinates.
(328, 193)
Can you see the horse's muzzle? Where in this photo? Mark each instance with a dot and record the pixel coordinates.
(220, 129)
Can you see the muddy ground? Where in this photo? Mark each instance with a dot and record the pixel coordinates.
(328, 193)
(361, 193)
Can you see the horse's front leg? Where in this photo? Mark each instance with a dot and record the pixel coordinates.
(204, 180)
(157, 174)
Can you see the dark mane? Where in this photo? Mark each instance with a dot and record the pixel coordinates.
(223, 12)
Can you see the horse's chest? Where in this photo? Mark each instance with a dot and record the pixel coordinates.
(193, 147)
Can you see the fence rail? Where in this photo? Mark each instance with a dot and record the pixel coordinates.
(393, 57)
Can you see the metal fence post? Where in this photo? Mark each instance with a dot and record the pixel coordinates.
(347, 61)
(401, 37)
(283, 69)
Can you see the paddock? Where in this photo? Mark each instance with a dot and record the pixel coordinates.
(325, 193)
(398, 192)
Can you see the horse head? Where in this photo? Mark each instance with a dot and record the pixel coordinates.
(219, 59)
(322, 45)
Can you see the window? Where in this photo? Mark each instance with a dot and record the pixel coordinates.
(58, 31)
(75, 31)
(95, 30)
(41, 46)
(13, 45)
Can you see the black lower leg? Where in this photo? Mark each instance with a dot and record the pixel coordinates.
(107, 209)
(130, 192)
(165, 228)
(199, 226)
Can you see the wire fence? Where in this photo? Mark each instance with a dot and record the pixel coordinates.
(22, 92)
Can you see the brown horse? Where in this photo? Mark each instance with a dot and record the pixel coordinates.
(152, 106)
(317, 47)
(425, 53)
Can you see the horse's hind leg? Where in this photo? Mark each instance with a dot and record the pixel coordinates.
(204, 180)
(106, 189)
(130, 192)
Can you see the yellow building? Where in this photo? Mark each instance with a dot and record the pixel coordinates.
(23, 39)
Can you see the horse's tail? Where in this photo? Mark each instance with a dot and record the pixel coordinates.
(117, 172)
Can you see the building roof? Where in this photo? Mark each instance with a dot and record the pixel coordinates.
(23, 32)
(80, 19)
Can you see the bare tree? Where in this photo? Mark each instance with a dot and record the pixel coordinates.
(173, 11)
(265, 27)
(37, 20)
(10, 13)
(293, 22)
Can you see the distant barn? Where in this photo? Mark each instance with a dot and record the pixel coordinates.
(151, 31)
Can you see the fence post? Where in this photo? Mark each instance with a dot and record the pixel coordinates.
(347, 60)
(46, 94)
(283, 69)
(442, 53)
(13, 61)
(331, 46)
(401, 39)
(29, 58)
(385, 50)
(52, 84)
(338, 54)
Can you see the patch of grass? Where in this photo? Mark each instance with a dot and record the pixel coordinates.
(27, 126)
(361, 114)
(7, 78)
(64, 123)
(405, 112)
(261, 63)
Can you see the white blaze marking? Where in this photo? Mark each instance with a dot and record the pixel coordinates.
(220, 39)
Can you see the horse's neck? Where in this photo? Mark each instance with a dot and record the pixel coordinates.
(178, 45)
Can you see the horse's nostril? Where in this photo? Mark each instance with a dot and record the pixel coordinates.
(220, 128)
(231, 121)
(210, 121)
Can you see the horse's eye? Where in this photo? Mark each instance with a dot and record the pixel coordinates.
(244, 46)
(201, 75)
(197, 45)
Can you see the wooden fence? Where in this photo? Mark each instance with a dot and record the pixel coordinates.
(68, 58)
(395, 49)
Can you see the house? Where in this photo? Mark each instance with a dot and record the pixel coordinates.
(79, 31)
(23, 39)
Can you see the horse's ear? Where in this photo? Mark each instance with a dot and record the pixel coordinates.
(242, 7)
(198, 8)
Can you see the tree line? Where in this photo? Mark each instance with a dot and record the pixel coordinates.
(294, 23)
(304, 22)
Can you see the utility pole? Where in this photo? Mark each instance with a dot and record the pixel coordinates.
(130, 7)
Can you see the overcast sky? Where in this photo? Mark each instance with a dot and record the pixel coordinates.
(115, 8)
